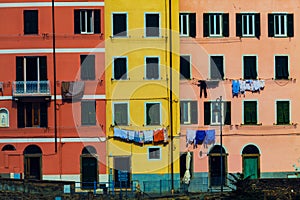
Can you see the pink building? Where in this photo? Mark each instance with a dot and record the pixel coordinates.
(247, 53)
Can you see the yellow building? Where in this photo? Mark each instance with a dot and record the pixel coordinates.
(142, 104)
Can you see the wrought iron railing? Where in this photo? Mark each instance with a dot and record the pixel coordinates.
(31, 88)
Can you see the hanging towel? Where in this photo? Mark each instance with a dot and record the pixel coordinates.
(235, 88)
(210, 137)
(166, 137)
(159, 135)
(256, 86)
(262, 84)
(141, 136)
(249, 85)
(136, 137)
(120, 133)
(190, 136)
(131, 135)
(242, 86)
(200, 136)
(148, 135)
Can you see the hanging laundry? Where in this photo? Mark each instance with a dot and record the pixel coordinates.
(200, 136)
(120, 133)
(136, 137)
(130, 135)
(249, 85)
(141, 136)
(210, 137)
(190, 137)
(203, 88)
(235, 88)
(159, 135)
(148, 136)
(262, 84)
(256, 86)
(166, 136)
(242, 86)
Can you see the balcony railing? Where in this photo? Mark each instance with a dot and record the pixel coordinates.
(31, 88)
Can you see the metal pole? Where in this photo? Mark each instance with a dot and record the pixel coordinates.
(221, 143)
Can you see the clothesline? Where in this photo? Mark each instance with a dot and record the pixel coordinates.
(195, 137)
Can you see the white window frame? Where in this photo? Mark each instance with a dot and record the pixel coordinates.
(247, 24)
(113, 112)
(277, 18)
(154, 147)
(243, 111)
(112, 25)
(159, 24)
(145, 70)
(290, 109)
(145, 114)
(4, 117)
(213, 16)
(187, 17)
(84, 30)
(187, 111)
(213, 115)
(113, 67)
(209, 65)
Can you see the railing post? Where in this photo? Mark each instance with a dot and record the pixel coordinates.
(95, 187)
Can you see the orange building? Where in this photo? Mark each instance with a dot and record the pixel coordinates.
(52, 102)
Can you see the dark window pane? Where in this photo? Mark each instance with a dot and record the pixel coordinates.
(30, 22)
(153, 114)
(152, 25)
(120, 68)
(152, 68)
(250, 67)
(250, 112)
(281, 67)
(185, 69)
(216, 67)
(283, 112)
(119, 25)
(121, 114)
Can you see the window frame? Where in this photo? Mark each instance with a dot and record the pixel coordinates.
(30, 32)
(212, 103)
(113, 68)
(145, 114)
(188, 112)
(256, 65)
(89, 123)
(158, 68)
(214, 15)
(148, 153)
(285, 24)
(159, 25)
(187, 24)
(113, 114)
(190, 66)
(248, 15)
(86, 20)
(4, 115)
(290, 113)
(112, 27)
(210, 71)
(243, 112)
(288, 67)
(28, 110)
(88, 77)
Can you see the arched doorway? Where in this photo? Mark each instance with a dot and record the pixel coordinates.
(251, 161)
(33, 162)
(215, 163)
(89, 167)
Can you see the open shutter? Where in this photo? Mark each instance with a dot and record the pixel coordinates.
(43, 68)
(192, 23)
(205, 25)
(194, 112)
(21, 118)
(225, 25)
(239, 25)
(77, 21)
(19, 68)
(97, 21)
(257, 25)
(181, 112)
(207, 113)
(227, 109)
(44, 114)
(270, 25)
(290, 28)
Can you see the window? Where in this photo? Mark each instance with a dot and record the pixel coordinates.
(212, 115)
(188, 112)
(119, 25)
(4, 117)
(32, 114)
(187, 24)
(250, 112)
(281, 67)
(281, 25)
(88, 113)
(152, 68)
(120, 116)
(217, 67)
(283, 112)
(86, 21)
(249, 63)
(185, 67)
(152, 25)
(87, 67)
(248, 25)
(30, 22)
(120, 68)
(216, 25)
(153, 114)
(154, 153)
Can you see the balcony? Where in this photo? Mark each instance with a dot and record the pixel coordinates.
(31, 88)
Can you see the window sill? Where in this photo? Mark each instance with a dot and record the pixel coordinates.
(257, 124)
(127, 79)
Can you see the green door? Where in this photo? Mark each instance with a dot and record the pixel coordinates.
(250, 167)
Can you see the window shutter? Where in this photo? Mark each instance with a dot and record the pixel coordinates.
(286, 112)
(192, 23)
(194, 112)
(225, 24)
(239, 25)
(77, 21)
(270, 25)
(290, 19)
(83, 67)
(44, 114)
(205, 25)
(97, 21)
(181, 112)
(43, 68)
(207, 113)
(279, 113)
(28, 109)
(91, 67)
(19, 68)
(92, 112)
(84, 113)
(257, 25)
(227, 108)
(21, 118)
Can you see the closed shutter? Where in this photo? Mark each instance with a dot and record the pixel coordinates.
(92, 112)
(192, 23)
(205, 25)
(83, 67)
(257, 25)
(290, 19)
(21, 117)
(225, 25)
(194, 112)
(19, 69)
(270, 25)
(43, 68)
(238, 25)
(44, 114)
(227, 108)
(207, 113)
(77, 21)
(84, 113)
(97, 21)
